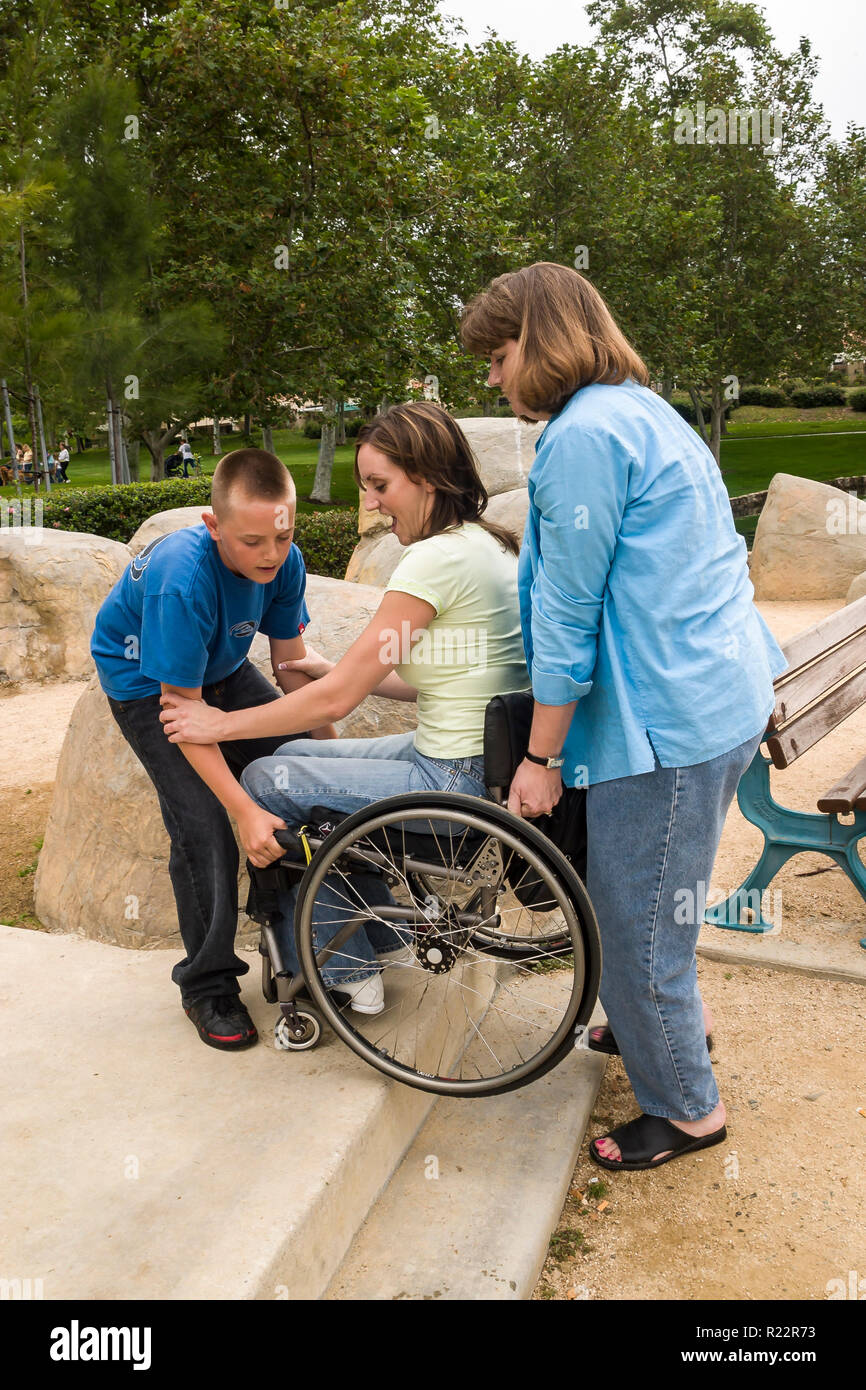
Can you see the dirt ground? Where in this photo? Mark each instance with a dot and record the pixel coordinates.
(775, 1211)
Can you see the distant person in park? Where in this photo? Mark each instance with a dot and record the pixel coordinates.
(458, 570)
(181, 620)
(186, 456)
(652, 672)
(62, 461)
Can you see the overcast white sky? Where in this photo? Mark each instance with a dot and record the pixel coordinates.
(837, 29)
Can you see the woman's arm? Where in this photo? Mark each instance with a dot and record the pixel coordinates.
(314, 665)
(382, 645)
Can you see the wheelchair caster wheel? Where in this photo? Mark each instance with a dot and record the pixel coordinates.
(287, 1041)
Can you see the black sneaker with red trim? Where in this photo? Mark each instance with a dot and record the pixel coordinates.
(222, 1022)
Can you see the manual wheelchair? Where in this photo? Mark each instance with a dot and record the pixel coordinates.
(501, 957)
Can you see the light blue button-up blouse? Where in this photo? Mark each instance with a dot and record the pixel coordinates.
(635, 597)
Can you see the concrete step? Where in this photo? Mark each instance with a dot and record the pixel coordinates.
(139, 1163)
(470, 1210)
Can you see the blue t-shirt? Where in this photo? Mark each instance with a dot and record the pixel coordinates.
(179, 615)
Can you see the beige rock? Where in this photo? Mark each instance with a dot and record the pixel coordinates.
(161, 523)
(504, 450)
(810, 542)
(374, 561)
(857, 588)
(103, 870)
(51, 586)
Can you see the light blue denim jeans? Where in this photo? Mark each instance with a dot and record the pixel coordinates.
(651, 844)
(344, 775)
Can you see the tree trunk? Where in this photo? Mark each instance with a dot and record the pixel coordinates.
(134, 449)
(667, 388)
(325, 463)
(487, 406)
(341, 423)
(217, 446)
(717, 410)
(247, 422)
(699, 412)
(268, 438)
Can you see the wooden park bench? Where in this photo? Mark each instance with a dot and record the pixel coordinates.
(824, 683)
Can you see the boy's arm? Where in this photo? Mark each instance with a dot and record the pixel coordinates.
(293, 649)
(255, 825)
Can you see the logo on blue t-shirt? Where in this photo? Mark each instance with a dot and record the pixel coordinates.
(243, 629)
(140, 563)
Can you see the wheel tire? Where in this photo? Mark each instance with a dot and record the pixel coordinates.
(285, 1041)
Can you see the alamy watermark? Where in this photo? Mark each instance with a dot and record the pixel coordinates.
(444, 646)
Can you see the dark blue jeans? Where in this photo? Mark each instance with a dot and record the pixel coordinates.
(203, 863)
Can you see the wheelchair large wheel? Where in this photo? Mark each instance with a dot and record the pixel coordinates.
(463, 1014)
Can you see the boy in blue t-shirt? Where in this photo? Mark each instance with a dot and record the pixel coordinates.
(182, 618)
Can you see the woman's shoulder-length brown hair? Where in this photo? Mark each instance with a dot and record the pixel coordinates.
(567, 336)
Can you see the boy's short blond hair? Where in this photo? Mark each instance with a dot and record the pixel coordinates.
(259, 475)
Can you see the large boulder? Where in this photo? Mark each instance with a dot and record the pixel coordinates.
(810, 542)
(375, 558)
(51, 586)
(103, 870)
(161, 523)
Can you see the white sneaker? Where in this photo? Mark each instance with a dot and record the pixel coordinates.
(401, 955)
(367, 996)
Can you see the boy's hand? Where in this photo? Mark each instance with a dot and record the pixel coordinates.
(256, 828)
(191, 721)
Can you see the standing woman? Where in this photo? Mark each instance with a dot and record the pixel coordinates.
(651, 668)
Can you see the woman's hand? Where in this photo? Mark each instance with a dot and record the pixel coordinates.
(256, 828)
(191, 721)
(313, 665)
(534, 790)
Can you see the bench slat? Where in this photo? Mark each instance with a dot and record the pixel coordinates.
(805, 646)
(810, 682)
(848, 794)
(794, 738)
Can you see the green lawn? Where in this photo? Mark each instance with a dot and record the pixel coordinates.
(748, 462)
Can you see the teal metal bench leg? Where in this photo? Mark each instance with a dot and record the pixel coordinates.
(786, 833)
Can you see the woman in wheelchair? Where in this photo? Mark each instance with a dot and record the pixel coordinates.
(447, 634)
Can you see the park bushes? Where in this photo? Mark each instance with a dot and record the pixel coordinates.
(326, 539)
(857, 399)
(772, 396)
(810, 396)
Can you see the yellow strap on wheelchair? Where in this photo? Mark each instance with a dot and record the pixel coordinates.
(302, 835)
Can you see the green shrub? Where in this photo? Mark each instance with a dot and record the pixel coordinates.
(772, 396)
(326, 539)
(811, 396)
(353, 424)
(685, 408)
(312, 429)
(117, 512)
(857, 399)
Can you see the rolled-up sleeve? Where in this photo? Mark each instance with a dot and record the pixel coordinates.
(581, 482)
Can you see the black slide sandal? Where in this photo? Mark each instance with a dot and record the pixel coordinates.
(607, 1042)
(640, 1139)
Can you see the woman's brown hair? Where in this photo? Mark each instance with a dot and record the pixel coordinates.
(423, 440)
(566, 334)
